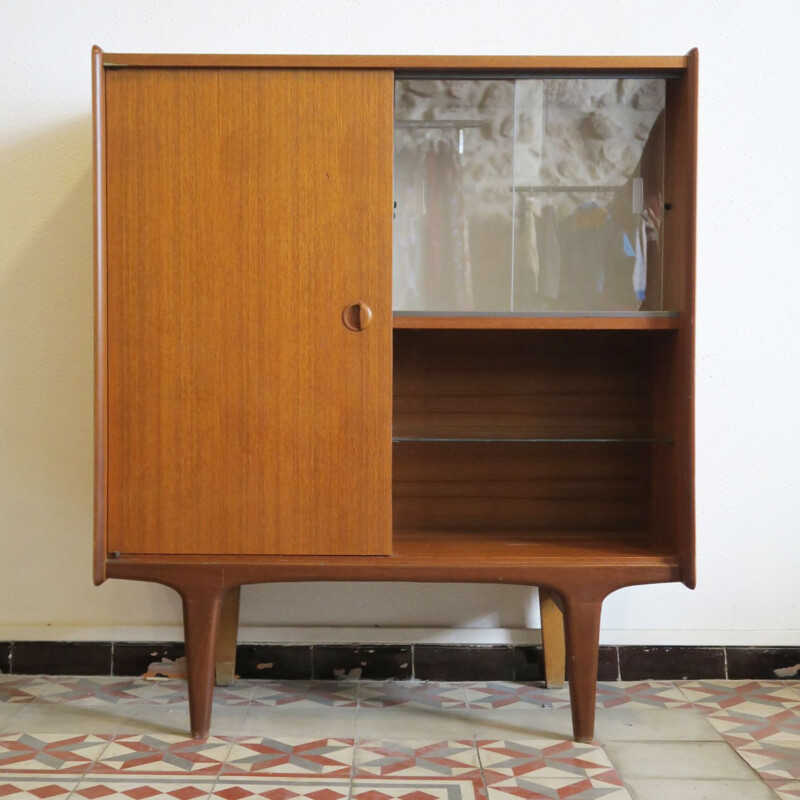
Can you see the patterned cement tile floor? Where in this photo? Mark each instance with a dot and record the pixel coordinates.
(73, 738)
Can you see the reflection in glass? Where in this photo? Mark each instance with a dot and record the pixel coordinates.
(529, 195)
(454, 175)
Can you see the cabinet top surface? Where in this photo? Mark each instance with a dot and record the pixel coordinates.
(399, 62)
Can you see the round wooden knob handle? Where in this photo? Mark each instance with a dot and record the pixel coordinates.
(357, 316)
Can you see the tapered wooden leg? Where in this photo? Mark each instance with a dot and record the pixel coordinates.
(227, 637)
(582, 622)
(201, 610)
(553, 641)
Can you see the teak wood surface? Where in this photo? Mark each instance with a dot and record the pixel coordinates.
(212, 173)
(638, 64)
(244, 417)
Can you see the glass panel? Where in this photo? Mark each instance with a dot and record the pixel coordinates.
(589, 176)
(537, 195)
(454, 173)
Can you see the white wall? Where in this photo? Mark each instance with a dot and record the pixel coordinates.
(748, 342)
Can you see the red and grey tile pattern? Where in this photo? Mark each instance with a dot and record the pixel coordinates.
(759, 719)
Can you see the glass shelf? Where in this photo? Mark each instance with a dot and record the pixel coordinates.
(534, 440)
(537, 320)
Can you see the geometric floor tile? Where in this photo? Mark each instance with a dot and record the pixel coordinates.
(509, 695)
(537, 758)
(115, 789)
(786, 790)
(773, 761)
(630, 694)
(305, 694)
(49, 752)
(540, 788)
(297, 740)
(739, 728)
(756, 698)
(18, 688)
(428, 694)
(90, 690)
(404, 759)
(172, 691)
(281, 789)
(257, 755)
(640, 694)
(34, 789)
(163, 755)
(414, 788)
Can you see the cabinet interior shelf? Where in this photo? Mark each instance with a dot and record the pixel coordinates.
(526, 545)
(612, 320)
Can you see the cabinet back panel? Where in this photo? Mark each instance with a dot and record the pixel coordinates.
(552, 486)
(524, 384)
(246, 208)
(586, 397)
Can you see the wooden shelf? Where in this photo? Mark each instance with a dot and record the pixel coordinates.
(524, 545)
(638, 321)
(447, 438)
(450, 551)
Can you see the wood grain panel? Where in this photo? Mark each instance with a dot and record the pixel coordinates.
(246, 209)
(100, 342)
(673, 490)
(524, 384)
(644, 64)
(543, 486)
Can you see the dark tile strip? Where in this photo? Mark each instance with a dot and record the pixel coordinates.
(608, 663)
(62, 658)
(375, 663)
(529, 663)
(401, 662)
(671, 663)
(136, 658)
(763, 663)
(463, 663)
(265, 661)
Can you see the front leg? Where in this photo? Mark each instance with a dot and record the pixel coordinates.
(201, 612)
(582, 622)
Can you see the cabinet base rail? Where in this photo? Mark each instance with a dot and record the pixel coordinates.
(571, 597)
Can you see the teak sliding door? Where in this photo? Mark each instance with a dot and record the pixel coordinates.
(246, 208)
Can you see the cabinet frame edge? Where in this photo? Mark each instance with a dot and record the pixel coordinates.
(100, 317)
(621, 64)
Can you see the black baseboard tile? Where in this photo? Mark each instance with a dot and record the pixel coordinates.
(137, 658)
(371, 663)
(523, 663)
(274, 662)
(463, 662)
(61, 658)
(608, 663)
(763, 663)
(528, 663)
(671, 663)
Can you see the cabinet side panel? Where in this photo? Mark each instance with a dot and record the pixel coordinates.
(246, 209)
(100, 404)
(674, 469)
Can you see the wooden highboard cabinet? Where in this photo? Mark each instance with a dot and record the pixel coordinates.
(394, 318)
